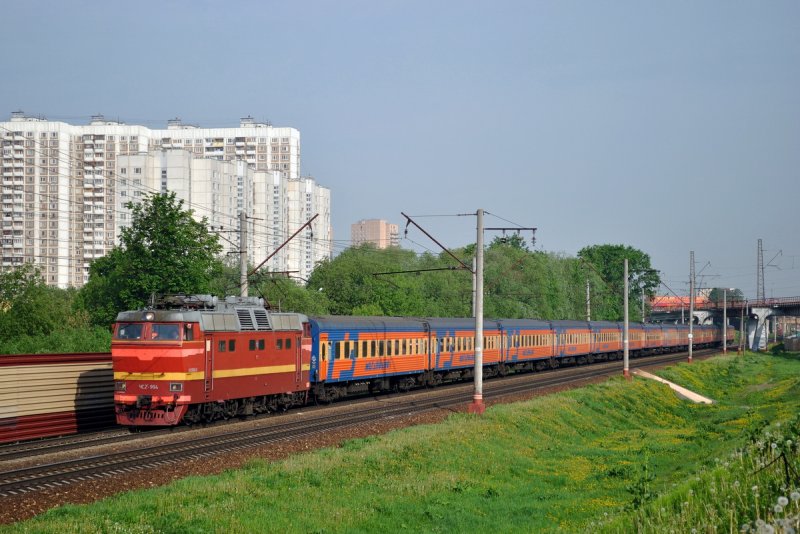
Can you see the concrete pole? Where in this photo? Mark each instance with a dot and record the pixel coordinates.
(644, 316)
(243, 252)
(691, 302)
(724, 321)
(588, 302)
(477, 405)
(625, 343)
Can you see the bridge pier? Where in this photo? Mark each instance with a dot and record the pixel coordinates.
(758, 327)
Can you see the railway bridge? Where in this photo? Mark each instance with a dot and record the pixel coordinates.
(760, 317)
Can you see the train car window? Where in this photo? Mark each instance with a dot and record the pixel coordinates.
(405, 347)
(347, 353)
(355, 349)
(374, 347)
(260, 344)
(251, 344)
(188, 332)
(288, 343)
(129, 331)
(279, 344)
(381, 347)
(364, 351)
(397, 347)
(231, 345)
(221, 345)
(323, 350)
(338, 350)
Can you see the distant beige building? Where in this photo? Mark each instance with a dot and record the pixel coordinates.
(381, 233)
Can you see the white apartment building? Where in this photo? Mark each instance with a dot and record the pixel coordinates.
(380, 233)
(64, 189)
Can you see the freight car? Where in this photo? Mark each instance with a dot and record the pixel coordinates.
(44, 395)
(198, 358)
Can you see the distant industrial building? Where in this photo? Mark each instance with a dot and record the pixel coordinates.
(380, 233)
(64, 189)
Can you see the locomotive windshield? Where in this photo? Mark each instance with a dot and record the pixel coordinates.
(129, 331)
(164, 331)
(150, 331)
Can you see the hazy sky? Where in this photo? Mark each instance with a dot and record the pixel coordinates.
(668, 126)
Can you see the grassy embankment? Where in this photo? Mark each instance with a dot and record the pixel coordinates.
(610, 457)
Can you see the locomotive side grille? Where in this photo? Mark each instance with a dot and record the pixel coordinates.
(262, 319)
(245, 319)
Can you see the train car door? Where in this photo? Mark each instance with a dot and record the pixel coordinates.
(208, 383)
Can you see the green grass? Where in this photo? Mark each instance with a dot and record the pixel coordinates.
(612, 456)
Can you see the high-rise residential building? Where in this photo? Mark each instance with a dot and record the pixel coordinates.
(381, 233)
(64, 189)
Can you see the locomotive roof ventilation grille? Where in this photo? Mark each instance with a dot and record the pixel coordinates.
(245, 319)
(262, 319)
(253, 319)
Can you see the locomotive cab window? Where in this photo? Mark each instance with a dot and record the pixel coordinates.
(163, 332)
(221, 345)
(188, 332)
(129, 331)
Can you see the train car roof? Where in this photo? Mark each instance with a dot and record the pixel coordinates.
(464, 323)
(534, 324)
(570, 324)
(379, 323)
(605, 324)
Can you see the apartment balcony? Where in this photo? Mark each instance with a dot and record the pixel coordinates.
(19, 164)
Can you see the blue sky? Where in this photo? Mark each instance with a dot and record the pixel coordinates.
(668, 126)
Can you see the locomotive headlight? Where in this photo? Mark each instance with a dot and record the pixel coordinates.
(149, 316)
(120, 385)
(176, 386)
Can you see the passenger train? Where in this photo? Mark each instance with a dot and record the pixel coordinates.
(191, 359)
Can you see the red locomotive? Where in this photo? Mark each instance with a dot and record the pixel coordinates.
(196, 358)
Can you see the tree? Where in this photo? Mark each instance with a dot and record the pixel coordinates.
(37, 318)
(23, 304)
(164, 250)
(718, 294)
(608, 262)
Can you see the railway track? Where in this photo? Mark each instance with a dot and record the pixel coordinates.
(58, 473)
